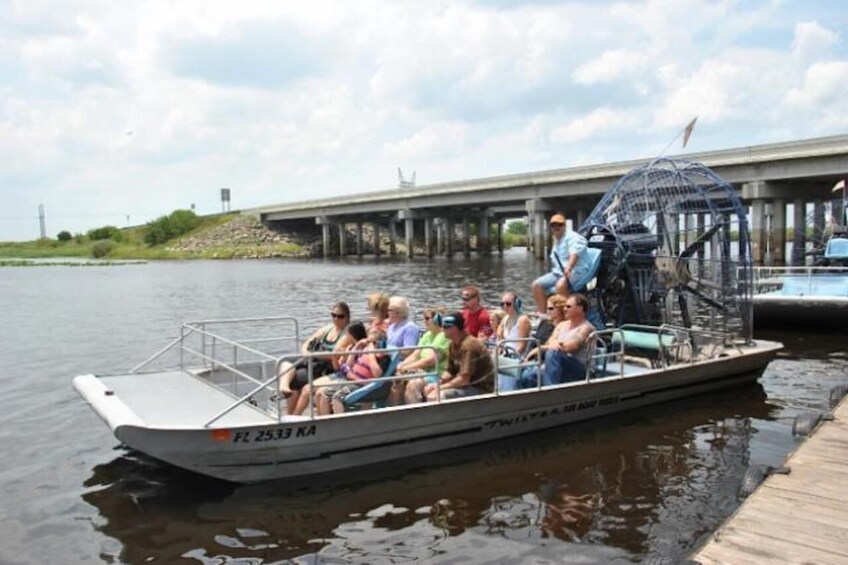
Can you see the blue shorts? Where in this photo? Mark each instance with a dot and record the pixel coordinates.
(548, 282)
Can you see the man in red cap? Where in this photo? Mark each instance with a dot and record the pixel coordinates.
(569, 262)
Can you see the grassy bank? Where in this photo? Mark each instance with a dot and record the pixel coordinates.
(212, 239)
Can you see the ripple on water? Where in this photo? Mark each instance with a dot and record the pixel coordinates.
(652, 482)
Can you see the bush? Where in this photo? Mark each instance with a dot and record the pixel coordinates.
(106, 232)
(102, 248)
(165, 228)
(516, 227)
(64, 235)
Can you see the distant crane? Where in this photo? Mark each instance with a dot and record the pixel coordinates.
(403, 183)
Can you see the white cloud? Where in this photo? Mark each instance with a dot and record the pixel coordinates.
(610, 66)
(823, 85)
(285, 100)
(597, 122)
(812, 40)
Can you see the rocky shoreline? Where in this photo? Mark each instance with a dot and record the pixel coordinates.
(244, 237)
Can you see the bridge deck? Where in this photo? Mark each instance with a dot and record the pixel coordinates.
(801, 517)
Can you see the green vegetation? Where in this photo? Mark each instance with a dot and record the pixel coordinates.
(106, 232)
(112, 243)
(166, 228)
(517, 227)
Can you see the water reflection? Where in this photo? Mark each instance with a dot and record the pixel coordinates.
(618, 488)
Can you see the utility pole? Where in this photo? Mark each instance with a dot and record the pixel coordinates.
(41, 221)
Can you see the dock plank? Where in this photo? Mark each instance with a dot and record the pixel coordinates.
(801, 517)
(739, 547)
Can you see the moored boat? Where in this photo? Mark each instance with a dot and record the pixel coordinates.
(813, 296)
(674, 309)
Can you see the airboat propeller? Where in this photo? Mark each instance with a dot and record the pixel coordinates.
(676, 249)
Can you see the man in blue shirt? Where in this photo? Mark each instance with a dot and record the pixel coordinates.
(569, 263)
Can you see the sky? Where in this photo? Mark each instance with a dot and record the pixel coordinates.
(117, 113)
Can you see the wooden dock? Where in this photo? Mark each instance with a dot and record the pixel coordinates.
(801, 517)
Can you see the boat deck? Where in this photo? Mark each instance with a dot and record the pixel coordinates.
(178, 399)
(801, 517)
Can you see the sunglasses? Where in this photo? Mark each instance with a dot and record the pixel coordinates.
(468, 297)
(505, 304)
(551, 308)
(555, 226)
(567, 306)
(337, 316)
(428, 318)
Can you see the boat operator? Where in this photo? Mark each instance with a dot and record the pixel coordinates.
(569, 263)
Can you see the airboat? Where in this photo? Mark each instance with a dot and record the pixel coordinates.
(672, 284)
(812, 295)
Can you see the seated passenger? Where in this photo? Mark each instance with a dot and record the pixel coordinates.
(475, 317)
(332, 337)
(360, 366)
(567, 350)
(495, 319)
(470, 369)
(424, 360)
(378, 307)
(401, 331)
(515, 325)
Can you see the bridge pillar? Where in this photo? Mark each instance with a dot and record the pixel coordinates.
(325, 235)
(450, 230)
(484, 244)
(758, 228)
(581, 217)
(778, 232)
(359, 239)
(377, 250)
(466, 237)
(409, 233)
(818, 222)
(838, 212)
(691, 229)
(392, 237)
(702, 227)
(799, 229)
(428, 236)
(499, 228)
(342, 239)
(537, 212)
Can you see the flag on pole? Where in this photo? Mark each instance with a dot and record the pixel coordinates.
(839, 186)
(688, 131)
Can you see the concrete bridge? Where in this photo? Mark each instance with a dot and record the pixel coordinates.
(767, 177)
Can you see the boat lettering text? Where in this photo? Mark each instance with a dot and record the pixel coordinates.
(506, 422)
(274, 434)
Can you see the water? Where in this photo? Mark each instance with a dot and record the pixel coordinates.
(649, 483)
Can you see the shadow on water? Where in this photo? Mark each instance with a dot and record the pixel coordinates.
(807, 344)
(652, 481)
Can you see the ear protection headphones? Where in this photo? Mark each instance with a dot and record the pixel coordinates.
(437, 319)
(517, 303)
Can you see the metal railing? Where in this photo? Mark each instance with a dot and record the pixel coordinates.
(772, 279)
(209, 340)
(314, 388)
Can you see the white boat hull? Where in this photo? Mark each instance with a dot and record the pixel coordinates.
(800, 296)
(251, 446)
